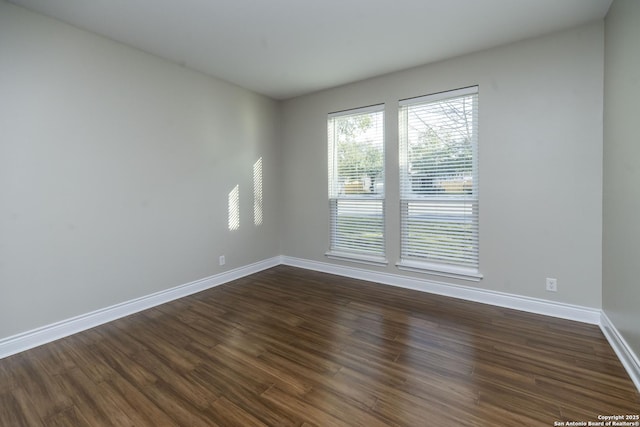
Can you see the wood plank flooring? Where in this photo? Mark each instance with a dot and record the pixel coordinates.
(290, 347)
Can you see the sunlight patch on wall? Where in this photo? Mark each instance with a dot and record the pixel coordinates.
(257, 192)
(234, 208)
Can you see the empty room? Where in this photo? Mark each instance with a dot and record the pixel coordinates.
(339, 213)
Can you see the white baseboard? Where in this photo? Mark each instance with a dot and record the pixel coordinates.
(30, 339)
(500, 299)
(533, 305)
(626, 355)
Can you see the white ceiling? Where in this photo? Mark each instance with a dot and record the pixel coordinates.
(285, 48)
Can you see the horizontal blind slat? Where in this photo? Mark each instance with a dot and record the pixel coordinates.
(356, 181)
(439, 178)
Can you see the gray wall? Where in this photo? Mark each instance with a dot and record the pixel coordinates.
(115, 168)
(621, 232)
(540, 139)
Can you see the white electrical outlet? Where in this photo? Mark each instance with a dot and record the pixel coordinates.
(552, 284)
(221, 260)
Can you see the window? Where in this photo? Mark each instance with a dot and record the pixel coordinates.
(439, 183)
(356, 185)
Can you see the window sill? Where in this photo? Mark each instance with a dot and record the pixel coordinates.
(359, 258)
(440, 270)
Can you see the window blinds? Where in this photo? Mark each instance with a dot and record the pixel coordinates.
(356, 181)
(439, 179)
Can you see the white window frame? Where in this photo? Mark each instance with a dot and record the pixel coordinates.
(423, 262)
(337, 250)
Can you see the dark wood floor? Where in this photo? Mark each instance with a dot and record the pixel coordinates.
(293, 347)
